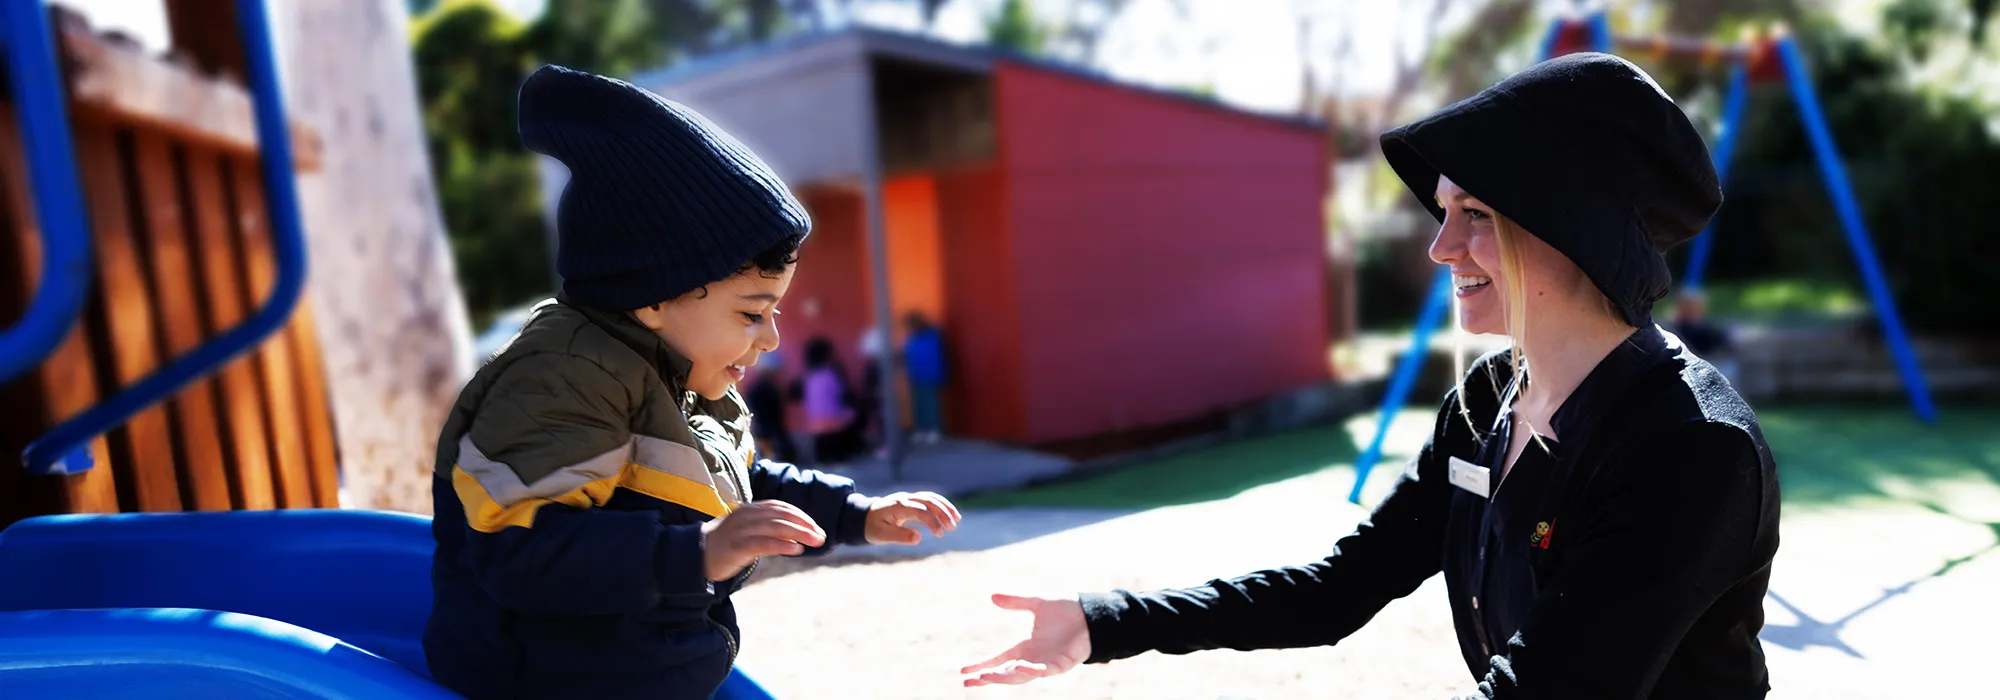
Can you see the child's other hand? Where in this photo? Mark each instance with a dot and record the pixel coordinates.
(886, 517)
(755, 530)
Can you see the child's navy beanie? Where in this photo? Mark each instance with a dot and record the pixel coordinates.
(660, 201)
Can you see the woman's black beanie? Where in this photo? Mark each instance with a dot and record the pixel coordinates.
(660, 201)
(1584, 151)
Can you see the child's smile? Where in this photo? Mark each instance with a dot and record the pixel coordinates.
(722, 328)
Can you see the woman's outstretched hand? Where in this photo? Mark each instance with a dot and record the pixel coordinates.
(1059, 642)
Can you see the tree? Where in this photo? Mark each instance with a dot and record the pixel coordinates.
(397, 344)
(469, 57)
(609, 37)
(1921, 160)
(1015, 27)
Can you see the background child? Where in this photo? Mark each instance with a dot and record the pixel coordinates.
(595, 481)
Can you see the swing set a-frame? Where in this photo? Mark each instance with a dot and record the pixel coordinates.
(1771, 57)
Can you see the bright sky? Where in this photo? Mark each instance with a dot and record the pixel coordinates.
(1252, 46)
(1248, 51)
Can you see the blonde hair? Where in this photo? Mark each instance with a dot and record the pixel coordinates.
(1514, 306)
(1514, 298)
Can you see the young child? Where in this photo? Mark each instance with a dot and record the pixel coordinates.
(597, 494)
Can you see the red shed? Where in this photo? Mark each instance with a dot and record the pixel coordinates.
(1103, 257)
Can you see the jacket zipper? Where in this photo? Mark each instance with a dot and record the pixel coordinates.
(747, 572)
(726, 636)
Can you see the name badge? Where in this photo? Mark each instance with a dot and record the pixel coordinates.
(1469, 476)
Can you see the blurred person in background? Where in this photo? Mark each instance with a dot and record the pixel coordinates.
(1705, 337)
(769, 424)
(924, 368)
(867, 395)
(1601, 503)
(827, 400)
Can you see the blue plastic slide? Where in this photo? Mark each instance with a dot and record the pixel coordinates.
(175, 654)
(268, 604)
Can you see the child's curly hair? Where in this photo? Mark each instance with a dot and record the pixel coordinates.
(775, 259)
(769, 263)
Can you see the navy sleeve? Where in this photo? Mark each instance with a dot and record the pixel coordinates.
(1387, 557)
(829, 499)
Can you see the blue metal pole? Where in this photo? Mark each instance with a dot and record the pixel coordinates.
(1406, 376)
(1549, 41)
(1835, 174)
(288, 247)
(1600, 32)
(40, 104)
(1725, 151)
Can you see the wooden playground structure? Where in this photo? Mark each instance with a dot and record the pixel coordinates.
(166, 153)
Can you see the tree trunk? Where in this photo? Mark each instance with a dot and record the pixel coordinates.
(393, 325)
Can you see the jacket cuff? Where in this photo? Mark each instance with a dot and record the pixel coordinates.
(724, 589)
(1109, 619)
(853, 527)
(683, 578)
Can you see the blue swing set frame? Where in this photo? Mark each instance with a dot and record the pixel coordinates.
(1595, 33)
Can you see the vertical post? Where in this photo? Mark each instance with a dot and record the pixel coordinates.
(1835, 175)
(890, 410)
(1405, 377)
(1725, 151)
(208, 31)
(1550, 40)
(1600, 32)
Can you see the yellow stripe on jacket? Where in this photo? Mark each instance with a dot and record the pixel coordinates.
(486, 515)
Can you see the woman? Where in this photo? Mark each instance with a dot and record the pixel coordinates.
(1622, 544)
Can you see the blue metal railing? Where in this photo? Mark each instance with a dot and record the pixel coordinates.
(40, 105)
(1835, 175)
(1725, 152)
(47, 455)
(1406, 376)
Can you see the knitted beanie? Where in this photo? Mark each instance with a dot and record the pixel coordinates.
(1584, 151)
(660, 201)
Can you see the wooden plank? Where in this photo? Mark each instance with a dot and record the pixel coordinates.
(303, 339)
(315, 406)
(125, 343)
(205, 30)
(281, 391)
(114, 78)
(197, 426)
(63, 385)
(248, 441)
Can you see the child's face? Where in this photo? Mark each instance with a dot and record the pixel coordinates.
(722, 328)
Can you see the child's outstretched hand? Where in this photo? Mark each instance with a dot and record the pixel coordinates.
(886, 517)
(753, 530)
